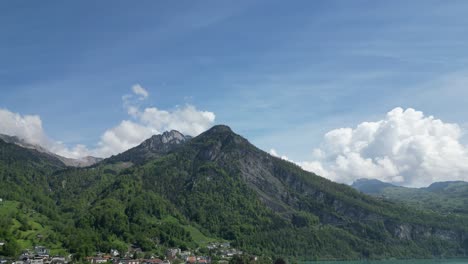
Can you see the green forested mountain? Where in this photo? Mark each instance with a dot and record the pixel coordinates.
(174, 190)
(444, 197)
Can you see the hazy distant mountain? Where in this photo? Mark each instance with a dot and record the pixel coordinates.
(21, 142)
(177, 191)
(81, 162)
(371, 186)
(444, 197)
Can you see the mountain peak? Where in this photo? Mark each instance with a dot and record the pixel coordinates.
(370, 186)
(168, 137)
(172, 136)
(220, 129)
(443, 186)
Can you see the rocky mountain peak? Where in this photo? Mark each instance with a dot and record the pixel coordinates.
(155, 146)
(173, 136)
(165, 140)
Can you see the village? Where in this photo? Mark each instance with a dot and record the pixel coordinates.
(215, 252)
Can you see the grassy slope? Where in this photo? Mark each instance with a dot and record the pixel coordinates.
(27, 225)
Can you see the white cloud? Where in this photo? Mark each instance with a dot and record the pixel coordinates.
(150, 121)
(274, 153)
(406, 148)
(27, 127)
(138, 90)
(122, 137)
(129, 133)
(187, 119)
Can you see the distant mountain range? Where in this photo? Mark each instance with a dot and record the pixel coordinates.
(178, 191)
(82, 162)
(443, 197)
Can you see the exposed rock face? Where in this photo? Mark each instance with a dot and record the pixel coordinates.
(408, 231)
(403, 232)
(165, 142)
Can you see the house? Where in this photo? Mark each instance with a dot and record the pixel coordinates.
(191, 260)
(41, 251)
(185, 254)
(151, 261)
(36, 260)
(166, 262)
(2, 243)
(127, 261)
(58, 260)
(98, 260)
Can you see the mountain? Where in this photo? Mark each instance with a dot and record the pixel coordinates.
(371, 186)
(81, 162)
(21, 142)
(442, 197)
(177, 191)
(449, 187)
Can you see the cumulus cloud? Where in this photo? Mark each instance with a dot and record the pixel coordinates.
(274, 153)
(27, 127)
(150, 121)
(405, 148)
(142, 124)
(140, 91)
(124, 136)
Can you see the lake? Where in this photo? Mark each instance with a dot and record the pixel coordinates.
(417, 261)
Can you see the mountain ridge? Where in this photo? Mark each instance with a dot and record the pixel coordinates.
(80, 162)
(443, 197)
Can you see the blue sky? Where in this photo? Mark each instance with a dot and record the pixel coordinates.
(281, 73)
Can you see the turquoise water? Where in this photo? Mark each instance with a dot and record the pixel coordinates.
(418, 261)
